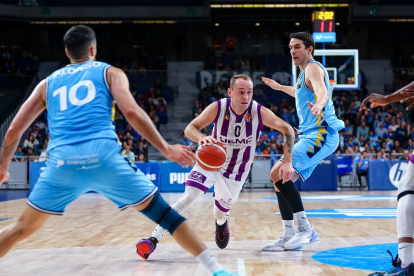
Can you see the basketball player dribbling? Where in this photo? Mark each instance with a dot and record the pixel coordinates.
(318, 138)
(238, 122)
(84, 152)
(403, 262)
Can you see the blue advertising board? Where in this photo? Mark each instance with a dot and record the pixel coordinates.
(324, 37)
(324, 177)
(385, 175)
(152, 171)
(344, 165)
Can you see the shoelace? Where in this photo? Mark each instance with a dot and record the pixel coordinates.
(395, 262)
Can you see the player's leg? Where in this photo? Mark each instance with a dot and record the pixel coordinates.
(286, 213)
(226, 192)
(405, 226)
(159, 211)
(191, 195)
(198, 183)
(28, 223)
(56, 187)
(289, 206)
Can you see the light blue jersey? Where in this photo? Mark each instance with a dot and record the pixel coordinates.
(80, 106)
(84, 151)
(319, 136)
(309, 123)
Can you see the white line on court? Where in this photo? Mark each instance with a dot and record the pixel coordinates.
(240, 267)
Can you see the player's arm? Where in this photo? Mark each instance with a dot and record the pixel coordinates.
(316, 76)
(403, 95)
(290, 90)
(206, 117)
(31, 108)
(140, 121)
(269, 119)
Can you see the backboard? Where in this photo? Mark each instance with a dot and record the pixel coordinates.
(342, 67)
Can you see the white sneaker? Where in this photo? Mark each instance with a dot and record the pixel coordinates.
(303, 236)
(278, 245)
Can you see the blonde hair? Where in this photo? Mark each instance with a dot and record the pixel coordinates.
(239, 76)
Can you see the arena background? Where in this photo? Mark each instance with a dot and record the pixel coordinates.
(178, 56)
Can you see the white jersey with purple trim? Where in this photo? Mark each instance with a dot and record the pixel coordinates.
(239, 134)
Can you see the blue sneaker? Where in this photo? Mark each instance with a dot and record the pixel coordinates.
(396, 270)
(224, 273)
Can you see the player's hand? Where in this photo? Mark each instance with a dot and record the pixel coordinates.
(375, 100)
(316, 109)
(4, 175)
(286, 172)
(207, 140)
(271, 83)
(410, 98)
(181, 155)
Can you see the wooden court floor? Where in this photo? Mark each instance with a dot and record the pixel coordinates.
(94, 238)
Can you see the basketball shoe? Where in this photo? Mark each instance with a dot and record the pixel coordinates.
(303, 236)
(222, 235)
(279, 245)
(146, 246)
(396, 270)
(224, 273)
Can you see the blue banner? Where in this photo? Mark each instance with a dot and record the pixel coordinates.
(152, 171)
(324, 37)
(173, 177)
(345, 165)
(324, 177)
(385, 175)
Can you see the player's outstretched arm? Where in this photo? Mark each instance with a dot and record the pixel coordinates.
(290, 90)
(316, 76)
(206, 117)
(286, 171)
(29, 111)
(403, 95)
(140, 121)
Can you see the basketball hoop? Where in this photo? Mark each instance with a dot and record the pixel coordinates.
(333, 83)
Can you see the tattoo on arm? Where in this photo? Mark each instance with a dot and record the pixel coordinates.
(8, 151)
(289, 141)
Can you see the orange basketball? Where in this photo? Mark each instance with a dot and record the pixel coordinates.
(211, 157)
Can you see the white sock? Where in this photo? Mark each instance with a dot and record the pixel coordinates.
(288, 228)
(159, 232)
(207, 259)
(405, 252)
(187, 200)
(302, 219)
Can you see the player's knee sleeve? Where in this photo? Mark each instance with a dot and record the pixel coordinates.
(190, 196)
(405, 218)
(291, 194)
(406, 185)
(159, 211)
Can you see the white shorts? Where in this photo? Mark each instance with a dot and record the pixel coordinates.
(226, 191)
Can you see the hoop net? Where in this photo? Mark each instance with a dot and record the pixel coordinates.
(333, 83)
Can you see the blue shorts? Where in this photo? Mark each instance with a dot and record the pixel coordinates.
(312, 149)
(95, 165)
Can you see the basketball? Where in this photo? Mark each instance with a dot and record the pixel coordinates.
(211, 157)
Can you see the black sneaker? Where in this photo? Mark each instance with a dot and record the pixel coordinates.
(146, 246)
(396, 269)
(222, 235)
